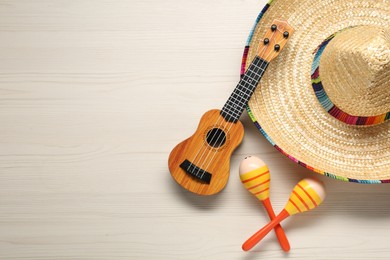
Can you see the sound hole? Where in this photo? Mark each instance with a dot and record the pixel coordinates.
(216, 137)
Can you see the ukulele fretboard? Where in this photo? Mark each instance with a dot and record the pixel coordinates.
(237, 101)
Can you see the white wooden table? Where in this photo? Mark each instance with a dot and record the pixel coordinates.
(95, 94)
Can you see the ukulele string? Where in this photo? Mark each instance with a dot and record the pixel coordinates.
(224, 127)
(193, 162)
(224, 137)
(232, 124)
(218, 125)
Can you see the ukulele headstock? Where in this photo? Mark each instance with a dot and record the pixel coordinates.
(274, 40)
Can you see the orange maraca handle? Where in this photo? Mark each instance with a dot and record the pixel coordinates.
(259, 235)
(283, 241)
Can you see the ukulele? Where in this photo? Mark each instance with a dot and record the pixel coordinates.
(201, 163)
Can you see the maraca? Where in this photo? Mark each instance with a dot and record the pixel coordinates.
(306, 195)
(254, 174)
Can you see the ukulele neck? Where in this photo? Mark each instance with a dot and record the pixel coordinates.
(238, 100)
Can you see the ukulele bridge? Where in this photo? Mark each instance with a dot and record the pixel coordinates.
(195, 171)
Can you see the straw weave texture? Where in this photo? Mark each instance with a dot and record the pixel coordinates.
(355, 70)
(285, 106)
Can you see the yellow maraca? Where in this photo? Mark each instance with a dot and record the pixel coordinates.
(255, 176)
(306, 195)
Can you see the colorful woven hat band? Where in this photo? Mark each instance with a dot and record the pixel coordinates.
(350, 82)
(342, 128)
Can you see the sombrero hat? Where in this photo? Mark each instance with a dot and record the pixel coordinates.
(325, 101)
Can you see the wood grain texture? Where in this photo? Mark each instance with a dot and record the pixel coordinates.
(275, 40)
(93, 97)
(211, 159)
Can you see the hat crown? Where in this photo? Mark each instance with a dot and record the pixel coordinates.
(355, 70)
(292, 109)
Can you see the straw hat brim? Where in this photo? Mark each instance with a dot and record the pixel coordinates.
(284, 107)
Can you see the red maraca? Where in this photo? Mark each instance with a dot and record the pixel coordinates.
(254, 174)
(306, 195)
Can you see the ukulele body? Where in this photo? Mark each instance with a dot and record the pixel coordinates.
(201, 163)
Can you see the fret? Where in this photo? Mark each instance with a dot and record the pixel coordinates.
(248, 89)
(244, 89)
(231, 112)
(255, 69)
(238, 98)
(253, 75)
(236, 106)
(251, 79)
(243, 92)
(258, 69)
(229, 117)
(233, 116)
(250, 82)
(260, 63)
(237, 101)
(234, 109)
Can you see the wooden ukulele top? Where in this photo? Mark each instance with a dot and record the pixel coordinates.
(201, 163)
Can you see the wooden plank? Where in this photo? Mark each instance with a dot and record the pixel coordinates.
(93, 97)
